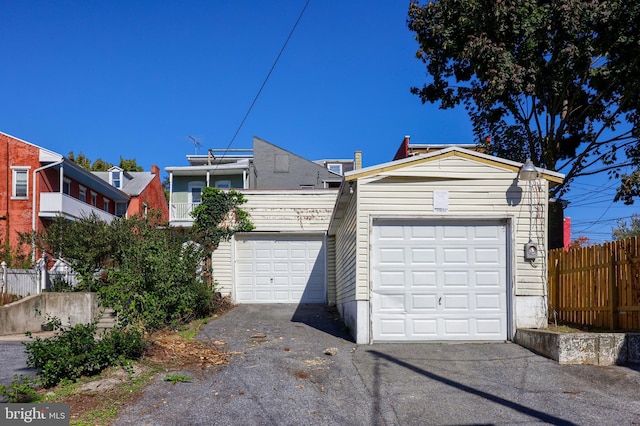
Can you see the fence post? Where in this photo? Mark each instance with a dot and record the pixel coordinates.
(3, 265)
(43, 272)
(613, 303)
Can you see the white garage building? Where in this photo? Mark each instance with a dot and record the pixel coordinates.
(432, 248)
(284, 259)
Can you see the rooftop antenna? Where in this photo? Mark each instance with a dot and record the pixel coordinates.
(196, 143)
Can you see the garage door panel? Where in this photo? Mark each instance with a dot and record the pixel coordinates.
(392, 303)
(280, 269)
(459, 295)
(392, 256)
(455, 302)
(489, 327)
(457, 256)
(423, 303)
(392, 327)
(457, 327)
(458, 279)
(392, 279)
(455, 232)
(422, 328)
(423, 280)
(422, 256)
(487, 256)
(486, 302)
(487, 279)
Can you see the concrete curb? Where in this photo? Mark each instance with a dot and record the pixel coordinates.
(582, 348)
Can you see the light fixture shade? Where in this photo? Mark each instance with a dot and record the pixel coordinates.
(528, 171)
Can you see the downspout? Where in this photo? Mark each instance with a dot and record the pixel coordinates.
(33, 207)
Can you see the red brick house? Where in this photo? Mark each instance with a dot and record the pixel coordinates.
(37, 185)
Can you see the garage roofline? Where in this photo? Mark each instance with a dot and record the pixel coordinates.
(554, 178)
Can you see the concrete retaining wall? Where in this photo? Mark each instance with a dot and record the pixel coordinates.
(30, 313)
(582, 348)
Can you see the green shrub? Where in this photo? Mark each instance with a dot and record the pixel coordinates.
(75, 351)
(21, 389)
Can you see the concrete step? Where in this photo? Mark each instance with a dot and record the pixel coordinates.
(108, 320)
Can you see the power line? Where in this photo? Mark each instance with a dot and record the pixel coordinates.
(264, 83)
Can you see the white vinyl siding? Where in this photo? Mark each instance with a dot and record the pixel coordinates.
(346, 243)
(331, 271)
(286, 211)
(295, 210)
(222, 268)
(478, 190)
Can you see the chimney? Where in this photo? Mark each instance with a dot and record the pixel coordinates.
(358, 159)
(155, 170)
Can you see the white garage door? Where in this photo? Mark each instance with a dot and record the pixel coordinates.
(438, 281)
(280, 269)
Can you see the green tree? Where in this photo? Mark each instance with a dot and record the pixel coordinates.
(554, 81)
(100, 165)
(130, 165)
(219, 216)
(80, 160)
(627, 230)
(126, 164)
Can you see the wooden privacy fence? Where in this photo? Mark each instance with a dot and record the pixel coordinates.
(597, 286)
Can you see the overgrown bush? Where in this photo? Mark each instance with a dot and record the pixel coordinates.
(22, 389)
(76, 351)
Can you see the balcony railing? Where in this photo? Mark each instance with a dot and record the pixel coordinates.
(54, 204)
(181, 212)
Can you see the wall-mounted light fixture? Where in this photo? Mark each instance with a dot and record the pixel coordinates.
(529, 173)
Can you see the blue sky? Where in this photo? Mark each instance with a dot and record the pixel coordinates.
(137, 78)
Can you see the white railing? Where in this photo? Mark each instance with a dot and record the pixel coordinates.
(54, 204)
(181, 212)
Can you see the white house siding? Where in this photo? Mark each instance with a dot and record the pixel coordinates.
(331, 270)
(478, 190)
(346, 243)
(276, 211)
(223, 267)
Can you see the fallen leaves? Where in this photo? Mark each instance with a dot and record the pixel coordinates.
(185, 353)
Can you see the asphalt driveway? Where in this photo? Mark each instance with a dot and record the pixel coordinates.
(282, 376)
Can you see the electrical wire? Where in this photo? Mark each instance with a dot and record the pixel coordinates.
(264, 83)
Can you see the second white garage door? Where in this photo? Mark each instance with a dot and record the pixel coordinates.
(280, 269)
(438, 280)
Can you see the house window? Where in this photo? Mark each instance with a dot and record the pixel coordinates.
(105, 205)
(116, 178)
(335, 168)
(83, 194)
(20, 183)
(330, 184)
(94, 199)
(223, 184)
(66, 187)
(121, 209)
(195, 192)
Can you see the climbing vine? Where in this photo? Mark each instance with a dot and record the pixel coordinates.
(219, 216)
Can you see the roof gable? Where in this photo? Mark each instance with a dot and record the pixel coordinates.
(465, 164)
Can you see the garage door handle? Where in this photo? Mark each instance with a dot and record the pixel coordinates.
(440, 301)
